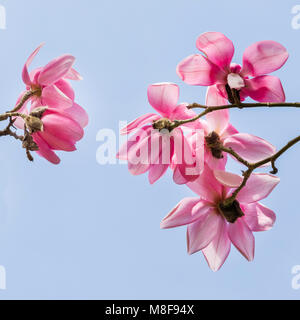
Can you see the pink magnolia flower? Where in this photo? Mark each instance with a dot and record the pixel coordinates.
(218, 128)
(211, 228)
(50, 82)
(61, 130)
(214, 67)
(151, 150)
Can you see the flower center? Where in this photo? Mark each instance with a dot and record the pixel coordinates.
(235, 81)
(231, 213)
(213, 142)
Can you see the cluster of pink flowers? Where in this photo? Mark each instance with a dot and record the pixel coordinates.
(63, 119)
(157, 143)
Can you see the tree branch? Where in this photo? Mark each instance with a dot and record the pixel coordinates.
(254, 166)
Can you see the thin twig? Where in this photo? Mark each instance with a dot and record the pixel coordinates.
(254, 166)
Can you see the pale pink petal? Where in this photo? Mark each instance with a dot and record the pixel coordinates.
(73, 75)
(181, 112)
(156, 171)
(217, 48)
(44, 150)
(214, 163)
(77, 113)
(230, 130)
(218, 250)
(163, 97)
(242, 238)
(56, 70)
(139, 155)
(178, 178)
(258, 217)
(55, 98)
(182, 214)
(139, 122)
(189, 156)
(218, 121)
(65, 87)
(56, 142)
(264, 89)
(228, 179)
(264, 57)
(249, 147)
(202, 232)
(199, 71)
(62, 126)
(25, 74)
(140, 134)
(258, 187)
(207, 186)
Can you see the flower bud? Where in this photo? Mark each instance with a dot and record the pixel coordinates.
(163, 123)
(38, 112)
(34, 124)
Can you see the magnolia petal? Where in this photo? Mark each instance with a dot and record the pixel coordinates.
(242, 238)
(73, 75)
(25, 74)
(249, 147)
(163, 97)
(182, 214)
(77, 113)
(56, 142)
(264, 89)
(156, 171)
(258, 217)
(62, 126)
(56, 70)
(218, 250)
(139, 122)
(199, 71)
(65, 87)
(218, 121)
(202, 232)
(258, 187)
(264, 57)
(55, 98)
(228, 179)
(44, 150)
(217, 48)
(207, 186)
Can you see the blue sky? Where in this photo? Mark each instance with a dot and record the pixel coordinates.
(85, 231)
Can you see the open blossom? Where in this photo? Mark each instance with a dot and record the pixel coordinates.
(211, 227)
(155, 145)
(62, 120)
(219, 130)
(50, 82)
(214, 67)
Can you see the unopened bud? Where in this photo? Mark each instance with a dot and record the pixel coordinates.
(38, 112)
(34, 124)
(163, 123)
